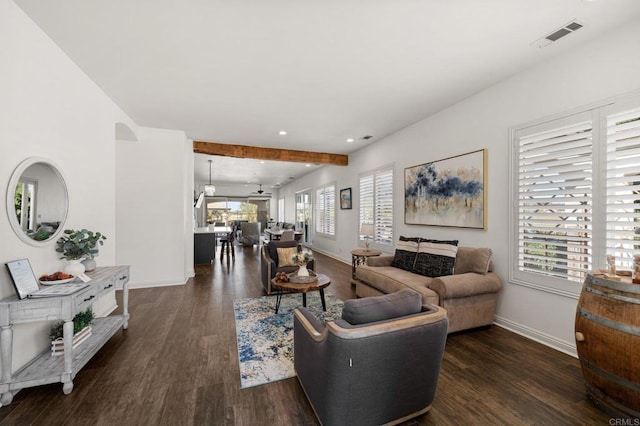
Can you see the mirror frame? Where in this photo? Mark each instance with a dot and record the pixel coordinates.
(13, 182)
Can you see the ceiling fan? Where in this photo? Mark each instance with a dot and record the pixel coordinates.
(260, 192)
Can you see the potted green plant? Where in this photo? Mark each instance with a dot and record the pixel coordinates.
(76, 245)
(81, 331)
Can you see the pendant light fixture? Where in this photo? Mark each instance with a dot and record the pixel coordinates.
(209, 190)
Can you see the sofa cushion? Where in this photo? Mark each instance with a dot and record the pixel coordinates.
(471, 259)
(380, 308)
(435, 258)
(406, 250)
(387, 279)
(272, 248)
(285, 255)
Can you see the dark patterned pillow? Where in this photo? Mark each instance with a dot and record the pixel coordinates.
(435, 258)
(406, 250)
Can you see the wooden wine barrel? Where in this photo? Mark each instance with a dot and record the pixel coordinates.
(608, 340)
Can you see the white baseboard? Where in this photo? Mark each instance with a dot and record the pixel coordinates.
(568, 348)
(328, 254)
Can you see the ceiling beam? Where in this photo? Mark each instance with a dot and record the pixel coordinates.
(273, 154)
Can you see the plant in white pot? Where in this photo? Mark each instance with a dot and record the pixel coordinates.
(81, 331)
(76, 245)
(302, 258)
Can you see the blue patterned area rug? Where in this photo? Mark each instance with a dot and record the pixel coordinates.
(265, 340)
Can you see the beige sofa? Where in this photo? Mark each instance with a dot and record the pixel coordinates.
(469, 295)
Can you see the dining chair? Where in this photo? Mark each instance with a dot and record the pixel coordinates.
(287, 235)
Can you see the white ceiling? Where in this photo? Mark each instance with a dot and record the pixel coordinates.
(324, 71)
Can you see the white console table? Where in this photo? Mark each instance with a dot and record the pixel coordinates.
(46, 368)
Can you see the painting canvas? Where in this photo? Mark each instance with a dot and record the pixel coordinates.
(345, 198)
(449, 192)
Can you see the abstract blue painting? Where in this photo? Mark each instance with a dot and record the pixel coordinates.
(449, 192)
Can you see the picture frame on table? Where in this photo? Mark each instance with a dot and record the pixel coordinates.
(23, 278)
(345, 199)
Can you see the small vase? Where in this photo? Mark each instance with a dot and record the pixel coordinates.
(74, 267)
(89, 264)
(303, 271)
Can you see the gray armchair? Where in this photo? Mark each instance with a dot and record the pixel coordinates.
(250, 233)
(269, 262)
(379, 372)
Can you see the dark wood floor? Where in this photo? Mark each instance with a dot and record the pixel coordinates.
(177, 364)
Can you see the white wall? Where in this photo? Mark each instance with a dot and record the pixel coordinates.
(590, 73)
(50, 108)
(154, 217)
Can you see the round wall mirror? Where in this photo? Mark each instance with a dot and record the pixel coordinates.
(37, 201)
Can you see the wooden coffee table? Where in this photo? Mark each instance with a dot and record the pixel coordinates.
(293, 287)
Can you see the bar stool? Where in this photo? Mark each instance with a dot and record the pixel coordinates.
(227, 241)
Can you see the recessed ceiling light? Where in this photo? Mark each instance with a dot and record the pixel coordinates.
(308, 165)
(261, 161)
(282, 132)
(350, 140)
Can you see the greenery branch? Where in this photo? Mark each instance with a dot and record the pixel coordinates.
(79, 244)
(302, 257)
(80, 321)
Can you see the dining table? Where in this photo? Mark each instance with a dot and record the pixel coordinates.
(276, 234)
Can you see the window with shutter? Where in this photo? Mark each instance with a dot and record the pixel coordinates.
(623, 187)
(376, 204)
(555, 200)
(576, 195)
(326, 210)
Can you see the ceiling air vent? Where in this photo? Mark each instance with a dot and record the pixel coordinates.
(558, 34)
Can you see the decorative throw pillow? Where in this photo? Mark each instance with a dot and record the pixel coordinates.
(284, 256)
(406, 250)
(380, 308)
(471, 259)
(435, 258)
(272, 248)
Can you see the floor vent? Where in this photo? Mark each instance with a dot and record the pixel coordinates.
(556, 35)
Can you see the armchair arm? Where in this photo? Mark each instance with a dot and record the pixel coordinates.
(465, 285)
(384, 260)
(268, 269)
(309, 323)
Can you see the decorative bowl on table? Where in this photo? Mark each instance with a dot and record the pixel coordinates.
(301, 279)
(56, 278)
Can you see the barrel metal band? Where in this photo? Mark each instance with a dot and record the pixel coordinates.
(625, 328)
(613, 295)
(616, 285)
(611, 377)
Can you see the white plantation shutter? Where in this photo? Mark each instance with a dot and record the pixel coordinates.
(376, 204)
(366, 203)
(554, 199)
(326, 210)
(623, 187)
(384, 207)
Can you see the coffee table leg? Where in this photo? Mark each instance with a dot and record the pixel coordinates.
(304, 299)
(278, 299)
(324, 305)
